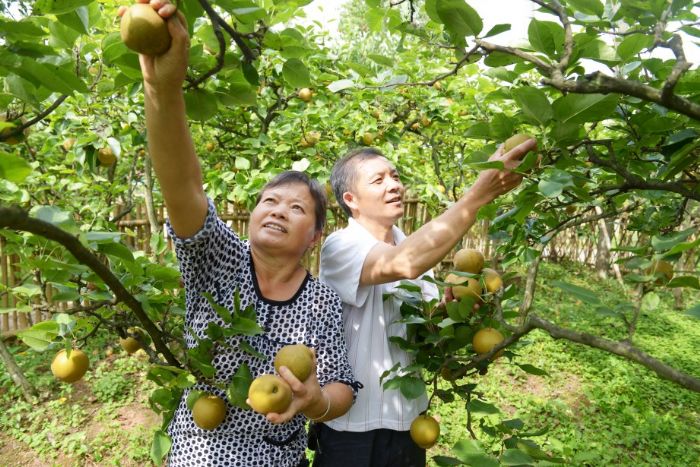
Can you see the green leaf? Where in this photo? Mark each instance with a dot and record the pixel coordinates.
(28, 290)
(52, 77)
(116, 250)
(240, 91)
(246, 12)
(476, 406)
(685, 281)
(497, 29)
(534, 104)
(244, 326)
(515, 457)
(54, 215)
(412, 387)
(58, 6)
(237, 391)
(242, 163)
(220, 310)
(41, 335)
(192, 398)
(581, 108)
(249, 349)
(381, 59)
(633, 44)
(533, 370)
(459, 19)
(201, 105)
(665, 242)
(581, 293)
(340, 85)
(78, 21)
(471, 452)
(444, 460)
(650, 302)
(160, 446)
(13, 168)
(296, 74)
(546, 36)
(591, 7)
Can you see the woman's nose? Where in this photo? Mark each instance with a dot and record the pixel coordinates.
(279, 211)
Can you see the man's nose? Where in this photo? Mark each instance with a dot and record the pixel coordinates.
(394, 185)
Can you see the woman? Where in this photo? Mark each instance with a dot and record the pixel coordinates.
(266, 272)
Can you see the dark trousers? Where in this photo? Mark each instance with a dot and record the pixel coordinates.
(376, 448)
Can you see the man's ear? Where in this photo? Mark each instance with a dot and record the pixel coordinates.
(350, 200)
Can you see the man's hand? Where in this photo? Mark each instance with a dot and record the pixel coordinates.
(493, 183)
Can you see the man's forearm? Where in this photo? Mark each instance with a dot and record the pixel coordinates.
(426, 247)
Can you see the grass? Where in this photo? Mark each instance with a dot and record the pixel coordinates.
(597, 409)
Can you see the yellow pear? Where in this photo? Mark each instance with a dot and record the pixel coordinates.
(485, 340)
(492, 280)
(129, 344)
(269, 393)
(661, 269)
(469, 260)
(463, 286)
(425, 431)
(209, 411)
(144, 31)
(106, 156)
(305, 94)
(298, 358)
(368, 138)
(70, 369)
(515, 140)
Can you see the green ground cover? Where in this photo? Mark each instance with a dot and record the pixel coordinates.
(597, 409)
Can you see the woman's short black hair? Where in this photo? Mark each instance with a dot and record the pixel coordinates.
(318, 193)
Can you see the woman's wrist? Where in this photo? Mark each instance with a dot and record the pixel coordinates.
(323, 411)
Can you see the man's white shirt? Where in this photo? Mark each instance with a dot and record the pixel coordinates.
(369, 322)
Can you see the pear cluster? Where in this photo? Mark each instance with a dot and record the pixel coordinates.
(472, 261)
(271, 393)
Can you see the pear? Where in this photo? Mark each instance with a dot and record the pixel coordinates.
(144, 31)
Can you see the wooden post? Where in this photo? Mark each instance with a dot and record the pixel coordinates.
(5, 302)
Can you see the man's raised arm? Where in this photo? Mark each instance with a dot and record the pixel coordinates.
(427, 246)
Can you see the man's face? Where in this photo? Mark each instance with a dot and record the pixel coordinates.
(378, 192)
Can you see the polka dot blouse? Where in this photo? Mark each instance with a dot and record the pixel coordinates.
(217, 261)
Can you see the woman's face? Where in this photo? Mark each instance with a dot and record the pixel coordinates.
(284, 221)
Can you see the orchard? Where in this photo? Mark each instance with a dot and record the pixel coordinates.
(592, 260)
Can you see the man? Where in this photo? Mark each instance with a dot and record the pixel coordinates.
(365, 261)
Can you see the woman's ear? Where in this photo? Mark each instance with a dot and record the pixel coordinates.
(315, 239)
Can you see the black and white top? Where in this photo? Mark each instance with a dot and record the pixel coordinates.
(217, 261)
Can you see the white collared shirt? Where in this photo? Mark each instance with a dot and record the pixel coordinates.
(369, 322)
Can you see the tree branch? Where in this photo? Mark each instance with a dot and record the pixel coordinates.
(622, 348)
(14, 217)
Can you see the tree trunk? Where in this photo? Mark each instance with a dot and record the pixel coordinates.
(16, 373)
(602, 256)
